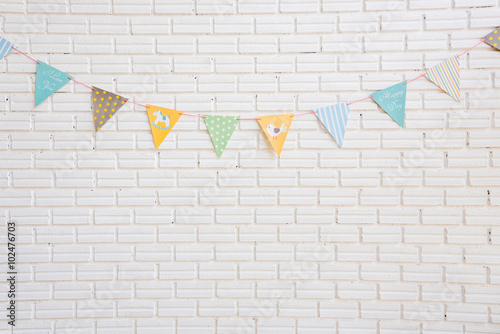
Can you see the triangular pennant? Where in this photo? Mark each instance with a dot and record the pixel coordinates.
(221, 129)
(161, 120)
(48, 80)
(393, 100)
(493, 38)
(104, 105)
(5, 47)
(334, 118)
(276, 128)
(446, 76)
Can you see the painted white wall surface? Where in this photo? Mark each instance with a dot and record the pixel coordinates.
(398, 232)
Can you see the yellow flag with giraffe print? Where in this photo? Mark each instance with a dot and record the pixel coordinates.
(276, 128)
(161, 121)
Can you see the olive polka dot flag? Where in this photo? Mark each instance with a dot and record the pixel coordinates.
(221, 129)
(104, 105)
(493, 38)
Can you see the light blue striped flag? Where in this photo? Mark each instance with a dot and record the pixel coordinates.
(334, 118)
(5, 47)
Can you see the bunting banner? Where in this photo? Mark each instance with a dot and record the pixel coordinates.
(221, 129)
(104, 105)
(276, 128)
(161, 121)
(334, 118)
(48, 80)
(493, 39)
(393, 100)
(5, 47)
(446, 76)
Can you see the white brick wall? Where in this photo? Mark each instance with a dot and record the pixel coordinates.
(398, 232)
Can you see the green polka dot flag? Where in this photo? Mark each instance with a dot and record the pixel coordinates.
(220, 129)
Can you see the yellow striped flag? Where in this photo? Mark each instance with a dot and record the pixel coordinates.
(446, 76)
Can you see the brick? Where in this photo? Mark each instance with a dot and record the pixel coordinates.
(154, 290)
(216, 44)
(54, 272)
(105, 253)
(296, 308)
(234, 290)
(338, 309)
(450, 20)
(351, 252)
(398, 292)
(174, 7)
(219, 308)
(425, 273)
(258, 44)
(232, 25)
(54, 309)
(257, 271)
(63, 253)
(177, 271)
(380, 311)
(356, 290)
(191, 25)
(94, 272)
(456, 312)
(364, 23)
(447, 293)
(249, 308)
(274, 25)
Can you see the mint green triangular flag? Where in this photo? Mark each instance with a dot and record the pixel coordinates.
(48, 80)
(393, 100)
(220, 129)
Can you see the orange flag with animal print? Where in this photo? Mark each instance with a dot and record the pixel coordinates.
(276, 128)
(161, 121)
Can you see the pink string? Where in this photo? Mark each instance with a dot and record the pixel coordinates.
(361, 99)
(142, 105)
(245, 119)
(26, 55)
(81, 83)
(421, 75)
(306, 113)
(460, 55)
(184, 114)
(248, 119)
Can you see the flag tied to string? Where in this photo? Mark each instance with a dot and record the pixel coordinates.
(104, 105)
(5, 47)
(446, 76)
(221, 129)
(161, 121)
(393, 100)
(275, 129)
(334, 118)
(48, 80)
(493, 39)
